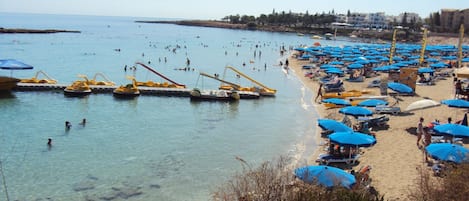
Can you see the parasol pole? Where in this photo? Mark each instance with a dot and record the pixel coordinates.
(461, 37)
(424, 45)
(393, 46)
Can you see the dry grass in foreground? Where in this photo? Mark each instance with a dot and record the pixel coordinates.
(452, 185)
(275, 181)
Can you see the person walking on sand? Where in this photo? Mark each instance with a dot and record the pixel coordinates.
(420, 131)
(458, 89)
(319, 93)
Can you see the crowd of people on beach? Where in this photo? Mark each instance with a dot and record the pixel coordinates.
(318, 60)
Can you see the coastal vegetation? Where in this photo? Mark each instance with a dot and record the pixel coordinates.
(452, 185)
(274, 180)
(322, 23)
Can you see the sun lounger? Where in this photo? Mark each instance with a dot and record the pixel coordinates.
(325, 159)
(387, 110)
(438, 139)
(441, 139)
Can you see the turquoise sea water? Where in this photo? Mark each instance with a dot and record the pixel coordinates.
(156, 147)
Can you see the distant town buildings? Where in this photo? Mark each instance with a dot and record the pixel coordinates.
(451, 19)
(375, 20)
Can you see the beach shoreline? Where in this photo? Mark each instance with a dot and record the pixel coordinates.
(396, 159)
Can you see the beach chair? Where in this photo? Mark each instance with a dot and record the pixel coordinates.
(325, 159)
(336, 87)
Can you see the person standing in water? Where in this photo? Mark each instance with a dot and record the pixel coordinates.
(83, 122)
(49, 143)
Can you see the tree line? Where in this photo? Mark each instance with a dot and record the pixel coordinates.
(282, 19)
(306, 20)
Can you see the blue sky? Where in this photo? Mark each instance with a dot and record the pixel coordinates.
(216, 9)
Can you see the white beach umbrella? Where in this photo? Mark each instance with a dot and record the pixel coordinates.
(422, 104)
(462, 72)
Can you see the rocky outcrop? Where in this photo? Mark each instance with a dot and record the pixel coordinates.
(35, 31)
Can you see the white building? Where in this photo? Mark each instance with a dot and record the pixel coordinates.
(376, 20)
(410, 17)
(368, 20)
(357, 19)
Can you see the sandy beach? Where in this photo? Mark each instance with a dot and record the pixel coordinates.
(395, 157)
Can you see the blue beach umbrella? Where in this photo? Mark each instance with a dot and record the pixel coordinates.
(448, 152)
(399, 87)
(449, 58)
(425, 70)
(459, 103)
(325, 176)
(386, 68)
(454, 130)
(431, 60)
(334, 71)
(439, 65)
(333, 125)
(465, 59)
(355, 66)
(372, 103)
(352, 139)
(336, 63)
(356, 111)
(337, 101)
(11, 64)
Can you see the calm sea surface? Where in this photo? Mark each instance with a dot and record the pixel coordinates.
(161, 148)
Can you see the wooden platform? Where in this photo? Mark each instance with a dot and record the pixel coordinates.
(104, 89)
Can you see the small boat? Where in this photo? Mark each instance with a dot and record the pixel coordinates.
(127, 91)
(248, 94)
(328, 36)
(316, 37)
(214, 95)
(77, 89)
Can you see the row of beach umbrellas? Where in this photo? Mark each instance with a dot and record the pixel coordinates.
(345, 136)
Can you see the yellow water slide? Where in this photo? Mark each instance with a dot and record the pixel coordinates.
(264, 90)
(48, 79)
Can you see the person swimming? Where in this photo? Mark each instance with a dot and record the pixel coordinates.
(49, 143)
(68, 125)
(83, 122)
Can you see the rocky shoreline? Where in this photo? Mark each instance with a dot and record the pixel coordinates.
(35, 31)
